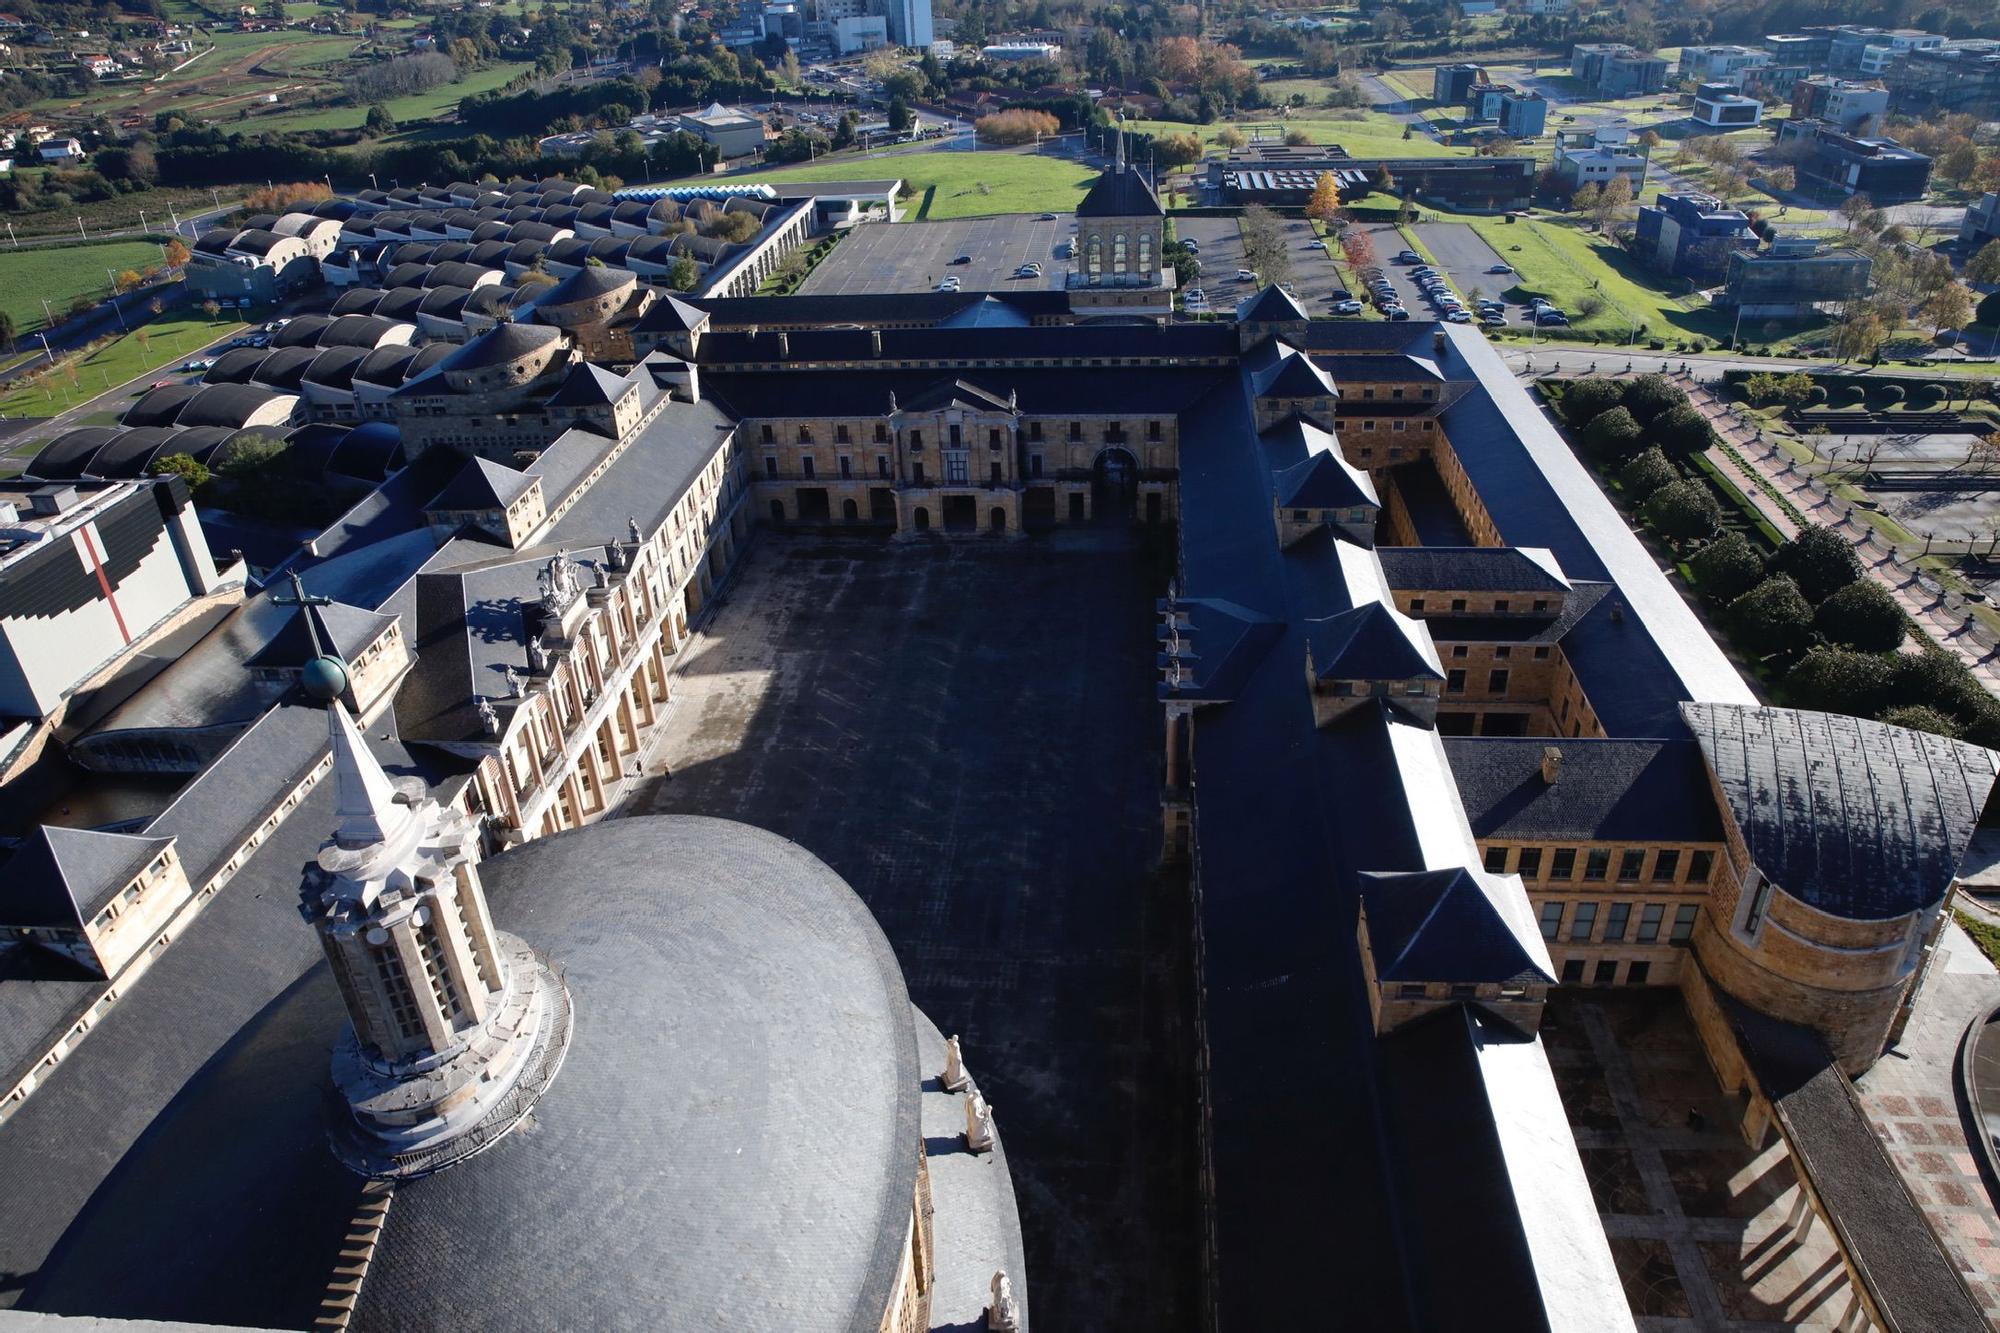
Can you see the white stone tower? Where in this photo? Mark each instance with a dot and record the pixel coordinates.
(455, 1028)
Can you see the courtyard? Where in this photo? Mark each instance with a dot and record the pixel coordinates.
(916, 256)
(967, 733)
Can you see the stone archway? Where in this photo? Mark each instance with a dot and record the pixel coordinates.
(1114, 486)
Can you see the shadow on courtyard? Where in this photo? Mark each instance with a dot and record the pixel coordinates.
(968, 734)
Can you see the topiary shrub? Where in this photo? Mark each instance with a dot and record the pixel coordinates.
(1612, 436)
(1772, 619)
(1862, 615)
(1885, 396)
(1919, 718)
(1817, 396)
(1727, 568)
(1646, 474)
(1819, 560)
(1849, 394)
(1927, 396)
(1584, 400)
(1839, 680)
(1683, 431)
(1683, 512)
(1651, 395)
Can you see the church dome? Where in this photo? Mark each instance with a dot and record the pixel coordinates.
(733, 1140)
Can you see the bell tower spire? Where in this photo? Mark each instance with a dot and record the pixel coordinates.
(454, 1028)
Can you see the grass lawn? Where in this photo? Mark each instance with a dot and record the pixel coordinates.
(168, 341)
(1374, 135)
(958, 185)
(61, 275)
(418, 106)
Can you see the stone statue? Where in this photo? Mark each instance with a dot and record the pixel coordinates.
(538, 656)
(978, 1122)
(892, 401)
(560, 580)
(1013, 401)
(632, 530)
(955, 1077)
(489, 721)
(513, 683)
(1003, 1313)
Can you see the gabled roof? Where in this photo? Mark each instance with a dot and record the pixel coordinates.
(1222, 644)
(1858, 819)
(1294, 375)
(1273, 305)
(1371, 642)
(344, 630)
(1473, 569)
(1607, 790)
(62, 877)
(589, 385)
(1448, 925)
(481, 484)
(1324, 480)
(1120, 193)
(670, 314)
(956, 392)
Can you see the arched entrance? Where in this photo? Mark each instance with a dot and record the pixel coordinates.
(922, 519)
(1114, 486)
(850, 512)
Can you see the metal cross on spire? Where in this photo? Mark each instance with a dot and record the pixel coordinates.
(303, 599)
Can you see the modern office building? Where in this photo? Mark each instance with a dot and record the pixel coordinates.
(1982, 222)
(1613, 69)
(1790, 277)
(1451, 83)
(1956, 78)
(909, 22)
(1595, 155)
(1691, 235)
(1719, 64)
(1516, 114)
(1849, 106)
(1835, 163)
(1718, 106)
(1285, 175)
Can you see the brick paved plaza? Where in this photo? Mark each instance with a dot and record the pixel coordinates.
(968, 734)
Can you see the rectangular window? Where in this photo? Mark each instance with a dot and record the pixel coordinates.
(1606, 973)
(1410, 990)
(881, 433)
(1034, 465)
(1458, 604)
(806, 465)
(993, 437)
(1563, 864)
(1454, 681)
(1582, 921)
(954, 436)
(1152, 430)
(1502, 653)
(1529, 863)
(1461, 650)
(1496, 860)
(1597, 863)
(916, 440)
(1665, 863)
(1615, 922)
(846, 467)
(1541, 654)
(1700, 866)
(1552, 920)
(916, 472)
(1683, 923)
(1076, 430)
(993, 474)
(1637, 973)
(1649, 922)
(1500, 604)
(1416, 606)
(771, 467)
(1573, 972)
(1760, 900)
(768, 437)
(805, 435)
(840, 434)
(1034, 430)
(882, 465)
(1496, 682)
(1630, 862)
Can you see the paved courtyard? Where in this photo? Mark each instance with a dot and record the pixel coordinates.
(916, 256)
(966, 732)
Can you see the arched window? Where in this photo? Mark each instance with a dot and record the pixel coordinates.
(1096, 255)
(1118, 253)
(1145, 252)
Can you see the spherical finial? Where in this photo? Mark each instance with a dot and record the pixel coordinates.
(325, 678)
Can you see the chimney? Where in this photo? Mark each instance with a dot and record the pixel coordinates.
(875, 342)
(1552, 764)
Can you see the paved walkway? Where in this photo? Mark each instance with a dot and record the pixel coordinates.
(1912, 1100)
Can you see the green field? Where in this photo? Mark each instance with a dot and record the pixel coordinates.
(958, 185)
(167, 341)
(1374, 135)
(406, 110)
(61, 274)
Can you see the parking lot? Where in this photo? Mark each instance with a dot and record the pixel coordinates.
(1221, 243)
(916, 256)
(1465, 256)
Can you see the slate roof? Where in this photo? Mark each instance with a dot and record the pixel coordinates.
(1447, 925)
(62, 877)
(345, 630)
(587, 284)
(1371, 642)
(1472, 569)
(1609, 790)
(501, 344)
(1272, 305)
(481, 484)
(589, 385)
(1858, 819)
(1120, 194)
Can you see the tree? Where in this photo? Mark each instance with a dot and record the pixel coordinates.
(1650, 395)
(7, 332)
(1683, 431)
(1646, 474)
(1612, 435)
(1264, 244)
(1231, 138)
(1858, 209)
(1589, 306)
(1684, 512)
(1839, 680)
(1324, 206)
(127, 280)
(1984, 267)
(177, 254)
(1860, 337)
(1583, 400)
(1949, 307)
(211, 308)
(1862, 615)
(1298, 139)
(683, 275)
(1177, 150)
(1937, 679)
(1586, 198)
(899, 115)
(1017, 126)
(379, 124)
(1612, 200)
(1916, 717)
(1727, 567)
(1773, 618)
(1780, 178)
(788, 69)
(1959, 162)
(184, 466)
(1819, 560)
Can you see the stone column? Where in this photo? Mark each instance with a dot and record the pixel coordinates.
(409, 955)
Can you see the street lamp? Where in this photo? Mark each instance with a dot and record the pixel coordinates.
(45, 347)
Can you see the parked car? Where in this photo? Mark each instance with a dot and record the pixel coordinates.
(1397, 312)
(1245, 275)
(962, 259)
(1494, 320)
(1347, 307)
(1457, 317)
(161, 384)
(1340, 294)
(1499, 268)
(1048, 217)
(1409, 257)
(1547, 318)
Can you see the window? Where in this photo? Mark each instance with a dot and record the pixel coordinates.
(1496, 682)
(1152, 430)
(1502, 653)
(1630, 862)
(1464, 990)
(1302, 516)
(1410, 990)
(1529, 863)
(882, 465)
(993, 474)
(993, 437)
(1034, 465)
(1034, 430)
(1454, 681)
(1572, 971)
(771, 467)
(806, 465)
(1496, 860)
(1460, 650)
(1500, 604)
(1636, 974)
(955, 440)
(1563, 865)
(1076, 430)
(1700, 866)
(1597, 863)
(1552, 920)
(840, 434)
(1760, 900)
(1582, 921)
(1458, 604)
(916, 440)
(916, 472)
(846, 467)
(1541, 604)
(805, 435)
(1416, 606)
(1605, 974)
(1615, 922)
(1649, 922)
(881, 433)
(1683, 923)
(768, 437)
(1541, 654)
(1665, 863)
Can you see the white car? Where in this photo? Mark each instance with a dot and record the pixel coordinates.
(1245, 275)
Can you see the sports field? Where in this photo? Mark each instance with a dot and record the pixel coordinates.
(946, 184)
(61, 274)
